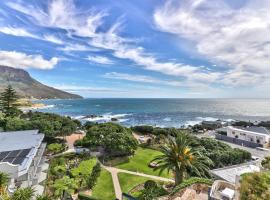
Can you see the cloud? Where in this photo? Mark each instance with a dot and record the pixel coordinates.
(76, 47)
(142, 79)
(53, 39)
(100, 60)
(83, 89)
(20, 32)
(237, 38)
(65, 15)
(24, 61)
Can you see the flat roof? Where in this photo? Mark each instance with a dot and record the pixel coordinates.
(19, 147)
(18, 140)
(229, 173)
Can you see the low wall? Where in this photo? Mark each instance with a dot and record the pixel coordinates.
(238, 141)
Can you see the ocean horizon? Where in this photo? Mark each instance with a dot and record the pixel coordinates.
(161, 112)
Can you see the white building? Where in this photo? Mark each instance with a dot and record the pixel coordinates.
(21, 156)
(259, 135)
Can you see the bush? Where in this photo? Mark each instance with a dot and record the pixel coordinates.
(55, 148)
(92, 179)
(82, 196)
(255, 186)
(150, 184)
(266, 163)
(143, 129)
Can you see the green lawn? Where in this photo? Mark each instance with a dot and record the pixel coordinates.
(129, 181)
(84, 168)
(139, 162)
(104, 189)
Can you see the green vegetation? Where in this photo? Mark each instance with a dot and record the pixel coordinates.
(104, 189)
(23, 194)
(140, 161)
(255, 186)
(51, 125)
(92, 178)
(4, 179)
(183, 158)
(222, 154)
(114, 138)
(129, 181)
(84, 168)
(266, 163)
(8, 102)
(55, 148)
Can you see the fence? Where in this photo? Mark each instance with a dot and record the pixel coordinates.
(238, 141)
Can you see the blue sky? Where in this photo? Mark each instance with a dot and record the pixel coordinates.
(142, 48)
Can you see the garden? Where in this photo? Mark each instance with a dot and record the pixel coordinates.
(78, 176)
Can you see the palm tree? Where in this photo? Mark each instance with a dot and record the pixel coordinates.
(4, 179)
(23, 194)
(181, 156)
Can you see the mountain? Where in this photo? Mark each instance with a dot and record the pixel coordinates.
(27, 87)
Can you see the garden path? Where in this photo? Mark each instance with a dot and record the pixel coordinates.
(117, 188)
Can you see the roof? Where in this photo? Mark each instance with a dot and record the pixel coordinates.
(19, 148)
(18, 140)
(229, 173)
(257, 129)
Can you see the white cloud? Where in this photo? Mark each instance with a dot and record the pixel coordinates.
(76, 47)
(20, 32)
(65, 15)
(238, 38)
(144, 79)
(53, 39)
(24, 61)
(100, 60)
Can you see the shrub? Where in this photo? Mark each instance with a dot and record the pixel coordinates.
(143, 129)
(266, 163)
(92, 179)
(82, 196)
(150, 184)
(255, 186)
(55, 148)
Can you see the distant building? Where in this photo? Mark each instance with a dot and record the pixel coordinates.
(21, 156)
(252, 136)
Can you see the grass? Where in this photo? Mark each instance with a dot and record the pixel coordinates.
(139, 162)
(129, 181)
(104, 189)
(84, 168)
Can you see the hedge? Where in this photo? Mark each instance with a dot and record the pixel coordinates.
(191, 181)
(82, 196)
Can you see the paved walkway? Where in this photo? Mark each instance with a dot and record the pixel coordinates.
(117, 188)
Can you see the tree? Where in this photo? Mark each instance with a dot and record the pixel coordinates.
(65, 184)
(4, 179)
(179, 156)
(116, 139)
(92, 179)
(8, 102)
(23, 194)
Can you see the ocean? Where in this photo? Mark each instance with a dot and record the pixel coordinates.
(161, 112)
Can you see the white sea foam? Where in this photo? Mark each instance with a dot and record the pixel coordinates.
(107, 117)
(167, 119)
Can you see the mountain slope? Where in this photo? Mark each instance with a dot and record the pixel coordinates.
(27, 87)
